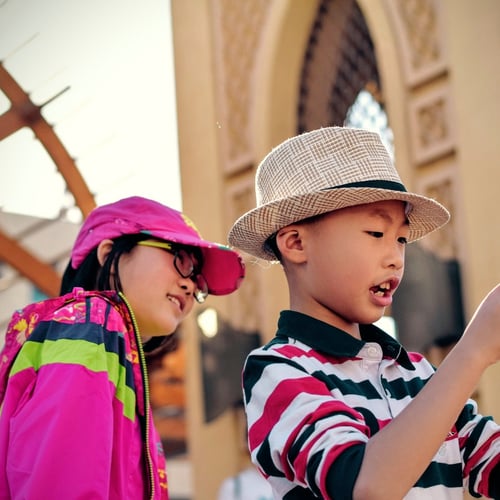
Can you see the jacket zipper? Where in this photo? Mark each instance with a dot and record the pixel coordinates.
(145, 379)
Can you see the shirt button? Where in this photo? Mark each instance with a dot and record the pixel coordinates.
(372, 352)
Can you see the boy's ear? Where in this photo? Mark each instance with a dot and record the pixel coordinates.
(290, 244)
(103, 250)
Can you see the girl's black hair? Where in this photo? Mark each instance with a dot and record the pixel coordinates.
(90, 275)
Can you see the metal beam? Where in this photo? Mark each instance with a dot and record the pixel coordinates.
(24, 113)
(39, 273)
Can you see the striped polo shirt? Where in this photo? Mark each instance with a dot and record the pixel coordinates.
(315, 394)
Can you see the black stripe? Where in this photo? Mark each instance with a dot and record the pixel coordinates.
(254, 367)
(347, 386)
(299, 493)
(265, 460)
(400, 388)
(440, 474)
(114, 342)
(379, 184)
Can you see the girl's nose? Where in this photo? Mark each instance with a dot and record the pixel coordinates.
(187, 284)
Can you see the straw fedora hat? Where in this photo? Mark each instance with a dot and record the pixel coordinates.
(324, 170)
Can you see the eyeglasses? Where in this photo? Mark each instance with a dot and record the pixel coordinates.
(185, 264)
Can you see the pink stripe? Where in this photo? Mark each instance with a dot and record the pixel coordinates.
(480, 453)
(415, 357)
(482, 487)
(284, 393)
(291, 352)
(280, 399)
(300, 464)
(383, 423)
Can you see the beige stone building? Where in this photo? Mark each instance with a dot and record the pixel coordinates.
(251, 73)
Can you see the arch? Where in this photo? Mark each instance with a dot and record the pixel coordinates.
(277, 72)
(386, 42)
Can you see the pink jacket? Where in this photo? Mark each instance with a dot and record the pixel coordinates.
(75, 419)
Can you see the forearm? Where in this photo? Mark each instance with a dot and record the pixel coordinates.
(422, 426)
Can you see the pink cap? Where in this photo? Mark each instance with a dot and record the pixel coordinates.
(223, 268)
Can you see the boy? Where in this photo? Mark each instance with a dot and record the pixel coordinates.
(336, 408)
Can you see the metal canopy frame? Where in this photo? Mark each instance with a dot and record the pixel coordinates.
(24, 113)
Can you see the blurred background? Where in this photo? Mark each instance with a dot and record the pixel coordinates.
(180, 100)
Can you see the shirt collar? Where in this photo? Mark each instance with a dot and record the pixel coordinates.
(334, 341)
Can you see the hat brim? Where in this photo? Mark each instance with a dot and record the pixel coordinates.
(252, 229)
(223, 268)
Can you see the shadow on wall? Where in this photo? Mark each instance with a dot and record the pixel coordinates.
(428, 304)
(223, 356)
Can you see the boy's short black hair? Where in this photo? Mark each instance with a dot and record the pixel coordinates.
(271, 245)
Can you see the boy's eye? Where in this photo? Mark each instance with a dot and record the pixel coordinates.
(379, 234)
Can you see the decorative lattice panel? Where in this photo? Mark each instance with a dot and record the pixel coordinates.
(237, 30)
(339, 64)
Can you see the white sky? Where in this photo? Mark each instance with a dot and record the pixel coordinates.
(118, 118)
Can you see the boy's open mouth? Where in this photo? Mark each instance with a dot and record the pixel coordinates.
(385, 288)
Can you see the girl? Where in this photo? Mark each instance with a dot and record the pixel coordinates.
(75, 419)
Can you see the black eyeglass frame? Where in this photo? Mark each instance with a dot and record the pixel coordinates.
(183, 254)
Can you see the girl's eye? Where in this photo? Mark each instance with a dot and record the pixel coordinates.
(403, 240)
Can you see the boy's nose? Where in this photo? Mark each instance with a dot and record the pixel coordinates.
(396, 257)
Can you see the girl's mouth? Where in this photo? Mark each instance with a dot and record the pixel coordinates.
(175, 300)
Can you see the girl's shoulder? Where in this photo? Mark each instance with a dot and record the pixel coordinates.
(80, 306)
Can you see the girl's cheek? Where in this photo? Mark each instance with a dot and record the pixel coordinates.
(188, 309)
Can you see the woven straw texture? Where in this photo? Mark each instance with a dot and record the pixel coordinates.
(304, 176)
